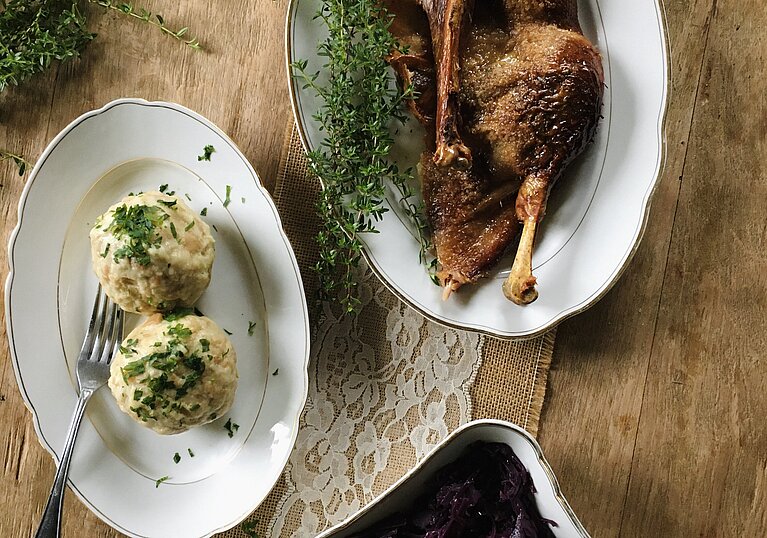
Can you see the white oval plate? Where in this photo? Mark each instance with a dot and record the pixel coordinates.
(134, 145)
(551, 504)
(596, 215)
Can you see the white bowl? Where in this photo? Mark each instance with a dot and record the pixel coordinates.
(551, 504)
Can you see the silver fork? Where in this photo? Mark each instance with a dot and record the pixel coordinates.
(102, 339)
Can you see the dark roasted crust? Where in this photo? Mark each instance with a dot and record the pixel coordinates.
(473, 218)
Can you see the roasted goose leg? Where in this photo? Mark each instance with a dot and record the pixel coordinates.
(535, 106)
(471, 211)
(447, 21)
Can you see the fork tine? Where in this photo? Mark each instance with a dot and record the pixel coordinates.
(90, 334)
(113, 334)
(99, 330)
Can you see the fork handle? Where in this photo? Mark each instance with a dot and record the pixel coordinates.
(50, 525)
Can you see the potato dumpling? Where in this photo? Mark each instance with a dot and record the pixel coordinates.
(174, 373)
(152, 253)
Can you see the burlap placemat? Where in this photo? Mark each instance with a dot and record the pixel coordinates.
(510, 383)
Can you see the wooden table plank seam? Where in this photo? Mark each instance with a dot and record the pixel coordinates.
(707, 29)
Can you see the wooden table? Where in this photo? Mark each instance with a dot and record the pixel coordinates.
(655, 415)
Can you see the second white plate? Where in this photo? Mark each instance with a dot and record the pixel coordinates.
(256, 294)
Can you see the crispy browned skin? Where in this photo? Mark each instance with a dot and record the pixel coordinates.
(472, 217)
(532, 92)
(529, 100)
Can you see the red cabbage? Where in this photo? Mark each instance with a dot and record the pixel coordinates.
(486, 493)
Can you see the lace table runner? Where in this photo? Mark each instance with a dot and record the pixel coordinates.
(384, 387)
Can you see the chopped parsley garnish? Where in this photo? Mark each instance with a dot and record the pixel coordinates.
(207, 151)
(179, 331)
(173, 231)
(160, 383)
(188, 197)
(189, 226)
(191, 454)
(127, 347)
(164, 189)
(180, 369)
(176, 458)
(228, 198)
(138, 225)
(204, 212)
(106, 251)
(231, 427)
(230, 333)
(142, 413)
(169, 203)
(178, 313)
(277, 371)
(205, 343)
(243, 199)
(160, 481)
(251, 326)
(133, 368)
(214, 227)
(164, 362)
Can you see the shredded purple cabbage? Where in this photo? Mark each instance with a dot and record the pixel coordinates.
(486, 493)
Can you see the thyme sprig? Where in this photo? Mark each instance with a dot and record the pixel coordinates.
(154, 19)
(34, 33)
(353, 165)
(20, 162)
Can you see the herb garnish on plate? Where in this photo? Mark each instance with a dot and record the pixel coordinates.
(353, 163)
(138, 224)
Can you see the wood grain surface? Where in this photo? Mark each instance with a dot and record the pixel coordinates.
(655, 416)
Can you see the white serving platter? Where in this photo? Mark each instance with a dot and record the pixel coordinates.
(596, 215)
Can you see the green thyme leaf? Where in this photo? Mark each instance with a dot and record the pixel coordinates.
(126, 8)
(176, 458)
(18, 160)
(160, 481)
